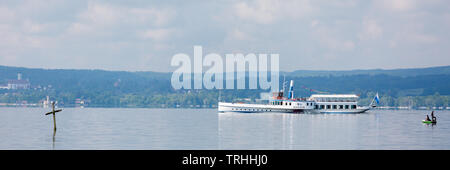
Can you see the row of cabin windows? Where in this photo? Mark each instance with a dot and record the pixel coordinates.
(335, 99)
(260, 110)
(281, 103)
(288, 103)
(335, 107)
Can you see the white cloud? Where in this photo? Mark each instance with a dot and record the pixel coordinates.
(97, 13)
(97, 34)
(348, 45)
(32, 27)
(344, 3)
(370, 30)
(331, 38)
(6, 15)
(95, 19)
(420, 38)
(263, 12)
(157, 34)
(268, 11)
(158, 17)
(314, 23)
(79, 28)
(413, 33)
(237, 34)
(19, 36)
(392, 43)
(100, 16)
(398, 5)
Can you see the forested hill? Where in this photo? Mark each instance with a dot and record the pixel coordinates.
(442, 70)
(153, 89)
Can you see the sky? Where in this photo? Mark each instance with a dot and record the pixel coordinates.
(145, 35)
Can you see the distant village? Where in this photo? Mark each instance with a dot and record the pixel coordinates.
(17, 84)
(24, 84)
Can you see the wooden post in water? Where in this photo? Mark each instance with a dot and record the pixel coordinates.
(54, 117)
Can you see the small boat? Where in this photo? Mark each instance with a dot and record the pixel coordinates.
(428, 122)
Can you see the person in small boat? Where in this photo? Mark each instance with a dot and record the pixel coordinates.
(428, 118)
(433, 118)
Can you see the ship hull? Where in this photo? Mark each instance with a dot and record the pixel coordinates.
(260, 108)
(352, 111)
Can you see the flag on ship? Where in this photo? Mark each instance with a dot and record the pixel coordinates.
(377, 99)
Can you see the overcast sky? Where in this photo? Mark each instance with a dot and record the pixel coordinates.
(144, 35)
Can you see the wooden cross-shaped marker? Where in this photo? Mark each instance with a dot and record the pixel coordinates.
(53, 112)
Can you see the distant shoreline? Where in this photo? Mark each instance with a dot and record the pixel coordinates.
(113, 107)
(416, 88)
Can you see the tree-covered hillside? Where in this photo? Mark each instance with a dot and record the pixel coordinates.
(152, 89)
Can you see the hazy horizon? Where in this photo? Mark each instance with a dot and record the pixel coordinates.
(207, 69)
(143, 36)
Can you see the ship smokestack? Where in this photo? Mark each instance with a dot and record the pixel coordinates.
(291, 90)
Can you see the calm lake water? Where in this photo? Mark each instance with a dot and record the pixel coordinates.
(104, 128)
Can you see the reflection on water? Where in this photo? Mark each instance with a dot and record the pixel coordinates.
(100, 128)
(372, 130)
(53, 141)
(290, 131)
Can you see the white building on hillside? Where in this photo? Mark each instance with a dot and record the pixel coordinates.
(19, 83)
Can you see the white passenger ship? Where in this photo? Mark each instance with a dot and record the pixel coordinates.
(317, 103)
(337, 103)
